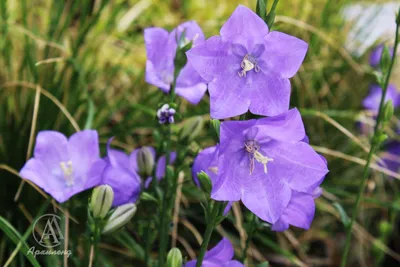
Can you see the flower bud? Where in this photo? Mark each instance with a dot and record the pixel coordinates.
(174, 258)
(205, 182)
(385, 59)
(121, 216)
(388, 111)
(192, 128)
(145, 162)
(101, 201)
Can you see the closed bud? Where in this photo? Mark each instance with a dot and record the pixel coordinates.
(385, 228)
(174, 258)
(192, 128)
(385, 59)
(388, 111)
(216, 124)
(121, 216)
(205, 182)
(145, 162)
(101, 201)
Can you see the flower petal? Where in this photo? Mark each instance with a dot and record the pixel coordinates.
(205, 161)
(223, 251)
(299, 212)
(160, 58)
(160, 171)
(299, 165)
(126, 185)
(266, 195)
(287, 126)
(229, 95)
(83, 150)
(190, 85)
(51, 149)
(244, 27)
(192, 30)
(231, 173)
(284, 53)
(37, 172)
(270, 94)
(209, 58)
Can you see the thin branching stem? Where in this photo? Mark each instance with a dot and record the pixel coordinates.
(373, 147)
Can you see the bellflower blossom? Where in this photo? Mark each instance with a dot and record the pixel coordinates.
(262, 162)
(64, 167)
(248, 67)
(161, 49)
(219, 256)
(376, 54)
(372, 101)
(207, 161)
(392, 157)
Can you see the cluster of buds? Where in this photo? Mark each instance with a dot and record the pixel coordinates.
(166, 114)
(100, 206)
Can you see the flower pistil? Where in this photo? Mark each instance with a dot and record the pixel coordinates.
(248, 63)
(68, 171)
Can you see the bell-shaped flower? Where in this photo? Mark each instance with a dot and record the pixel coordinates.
(219, 256)
(262, 161)
(64, 167)
(161, 49)
(247, 66)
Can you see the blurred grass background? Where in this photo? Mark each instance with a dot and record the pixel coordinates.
(67, 65)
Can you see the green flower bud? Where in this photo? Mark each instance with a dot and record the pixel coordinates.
(385, 59)
(192, 128)
(385, 228)
(174, 258)
(216, 124)
(101, 201)
(145, 162)
(388, 111)
(205, 182)
(121, 216)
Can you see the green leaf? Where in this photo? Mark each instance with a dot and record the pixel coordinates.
(90, 117)
(261, 9)
(264, 264)
(216, 124)
(343, 215)
(16, 237)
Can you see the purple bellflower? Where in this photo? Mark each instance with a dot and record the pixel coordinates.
(207, 161)
(376, 54)
(372, 101)
(261, 162)
(64, 167)
(219, 256)
(120, 173)
(248, 67)
(161, 49)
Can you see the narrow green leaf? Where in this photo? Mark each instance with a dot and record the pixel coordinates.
(16, 237)
(343, 215)
(261, 9)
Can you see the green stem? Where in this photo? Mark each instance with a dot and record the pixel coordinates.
(168, 192)
(371, 152)
(209, 229)
(251, 231)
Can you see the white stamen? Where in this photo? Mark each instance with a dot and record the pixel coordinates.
(252, 148)
(248, 63)
(68, 171)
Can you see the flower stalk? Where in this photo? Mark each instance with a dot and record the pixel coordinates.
(374, 145)
(211, 222)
